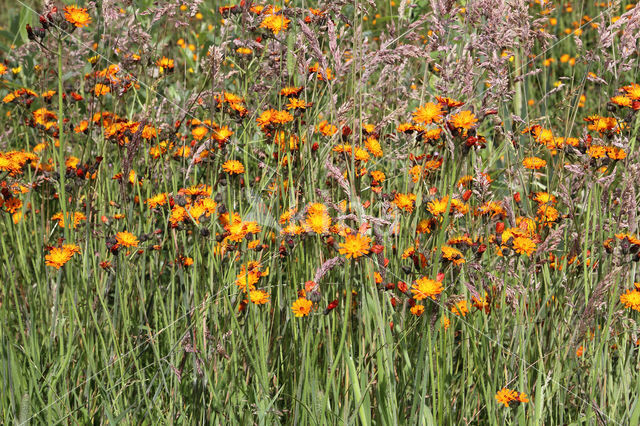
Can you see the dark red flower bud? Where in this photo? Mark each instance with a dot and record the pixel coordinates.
(30, 34)
(377, 248)
(331, 306)
(516, 197)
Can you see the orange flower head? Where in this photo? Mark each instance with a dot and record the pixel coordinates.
(425, 287)
(233, 167)
(77, 16)
(302, 307)
(356, 245)
(127, 239)
(428, 113)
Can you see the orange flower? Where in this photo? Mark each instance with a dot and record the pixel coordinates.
(233, 167)
(524, 245)
(417, 310)
(425, 287)
(77, 16)
(259, 297)
(301, 307)
(460, 308)
(631, 299)
(275, 23)
(101, 89)
(533, 163)
(126, 239)
(77, 218)
(505, 396)
(165, 63)
(428, 113)
(58, 256)
(405, 201)
(464, 120)
(356, 245)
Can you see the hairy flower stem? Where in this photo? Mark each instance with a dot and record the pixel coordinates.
(61, 165)
(517, 96)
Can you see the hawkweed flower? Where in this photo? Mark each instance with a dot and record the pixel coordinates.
(405, 201)
(481, 303)
(246, 280)
(237, 231)
(425, 287)
(417, 310)
(544, 198)
(533, 163)
(547, 215)
(325, 128)
(126, 239)
(101, 89)
(302, 307)
(259, 297)
(631, 299)
(318, 222)
(356, 245)
(77, 16)
(292, 91)
(453, 255)
(58, 256)
(506, 396)
(233, 167)
(464, 120)
(275, 23)
(460, 308)
(438, 206)
(295, 103)
(244, 51)
(157, 200)
(446, 322)
(428, 113)
(621, 100)
(165, 63)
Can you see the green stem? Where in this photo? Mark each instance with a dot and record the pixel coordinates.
(61, 148)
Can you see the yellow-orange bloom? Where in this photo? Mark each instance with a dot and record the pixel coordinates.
(77, 16)
(464, 120)
(405, 201)
(505, 396)
(356, 245)
(127, 239)
(631, 299)
(533, 163)
(275, 23)
(233, 167)
(428, 113)
(524, 245)
(259, 297)
(425, 287)
(58, 256)
(301, 307)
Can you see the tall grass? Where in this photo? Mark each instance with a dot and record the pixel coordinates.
(162, 332)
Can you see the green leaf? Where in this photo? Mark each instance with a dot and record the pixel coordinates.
(22, 27)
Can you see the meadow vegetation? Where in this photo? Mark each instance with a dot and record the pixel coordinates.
(319, 212)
